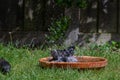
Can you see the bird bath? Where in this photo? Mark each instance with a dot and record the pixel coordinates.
(84, 62)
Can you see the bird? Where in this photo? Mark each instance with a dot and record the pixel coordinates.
(4, 66)
(65, 55)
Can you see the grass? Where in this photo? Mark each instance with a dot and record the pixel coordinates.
(25, 65)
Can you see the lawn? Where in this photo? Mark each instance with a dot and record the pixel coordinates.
(25, 64)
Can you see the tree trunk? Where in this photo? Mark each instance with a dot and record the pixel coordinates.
(73, 30)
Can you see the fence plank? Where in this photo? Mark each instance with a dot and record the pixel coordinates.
(52, 13)
(119, 15)
(107, 17)
(8, 14)
(28, 21)
(88, 18)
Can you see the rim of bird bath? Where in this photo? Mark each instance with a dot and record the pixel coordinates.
(84, 62)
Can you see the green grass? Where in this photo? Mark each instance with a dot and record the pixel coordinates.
(25, 65)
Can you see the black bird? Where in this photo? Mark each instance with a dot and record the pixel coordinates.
(4, 66)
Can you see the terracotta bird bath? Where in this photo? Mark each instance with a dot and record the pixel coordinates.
(84, 62)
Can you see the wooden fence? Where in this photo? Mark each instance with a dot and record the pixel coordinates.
(30, 15)
(97, 18)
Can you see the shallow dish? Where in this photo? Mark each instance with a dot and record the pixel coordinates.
(83, 62)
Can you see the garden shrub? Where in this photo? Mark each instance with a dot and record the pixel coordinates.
(57, 30)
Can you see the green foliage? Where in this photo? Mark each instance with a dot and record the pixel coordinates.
(107, 47)
(70, 3)
(115, 44)
(66, 3)
(57, 30)
(81, 3)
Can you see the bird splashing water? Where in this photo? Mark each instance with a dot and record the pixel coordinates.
(65, 55)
